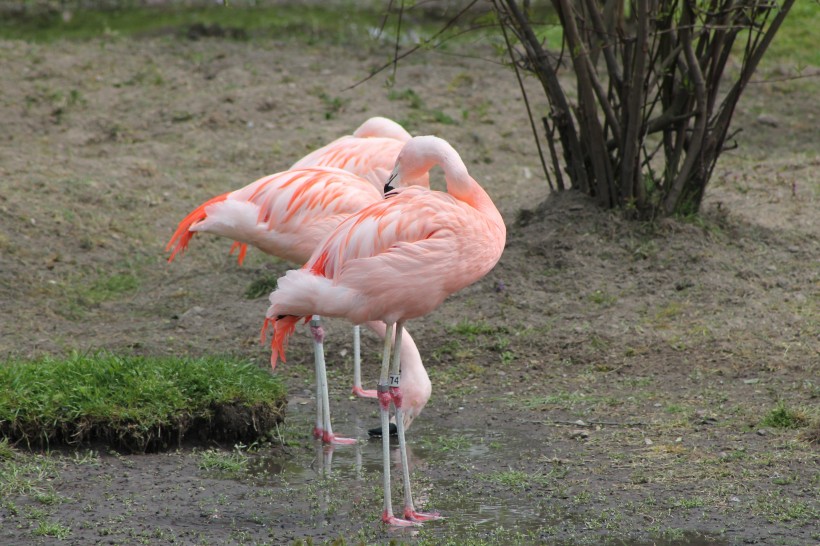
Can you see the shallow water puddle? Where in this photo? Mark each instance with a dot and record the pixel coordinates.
(346, 481)
(477, 478)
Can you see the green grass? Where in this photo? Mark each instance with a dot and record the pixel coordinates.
(510, 478)
(453, 443)
(138, 402)
(240, 20)
(52, 529)
(262, 286)
(233, 462)
(784, 417)
(419, 113)
(797, 39)
(41, 21)
(110, 287)
(471, 329)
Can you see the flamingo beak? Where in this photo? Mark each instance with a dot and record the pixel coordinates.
(387, 186)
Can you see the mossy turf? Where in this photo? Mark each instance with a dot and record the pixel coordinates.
(137, 403)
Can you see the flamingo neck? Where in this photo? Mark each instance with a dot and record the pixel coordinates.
(463, 187)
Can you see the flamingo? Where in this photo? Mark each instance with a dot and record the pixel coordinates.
(287, 214)
(369, 152)
(393, 261)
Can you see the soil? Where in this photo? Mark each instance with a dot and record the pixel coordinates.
(607, 382)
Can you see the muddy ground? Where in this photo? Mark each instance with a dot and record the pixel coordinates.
(607, 382)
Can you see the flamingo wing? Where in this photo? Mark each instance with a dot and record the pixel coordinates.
(285, 214)
(418, 241)
(369, 158)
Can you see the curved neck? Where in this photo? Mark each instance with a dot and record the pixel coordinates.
(463, 187)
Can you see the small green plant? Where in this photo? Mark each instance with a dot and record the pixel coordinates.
(450, 349)
(233, 462)
(413, 99)
(109, 287)
(599, 297)
(784, 417)
(52, 529)
(262, 286)
(333, 105)
(6, 451)
(780, 509)
(441, 117)
(446, 443)
(49, 498)
(507, 357)
(517, 479)
(471, 330)
(694, 502)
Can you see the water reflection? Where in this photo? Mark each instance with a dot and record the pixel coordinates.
(355, 460)
(341, 485)
(345, 487)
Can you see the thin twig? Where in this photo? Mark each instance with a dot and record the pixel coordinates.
(412, 50)
(550, 133)
(526, 100)
(384, 19)
(398, 37)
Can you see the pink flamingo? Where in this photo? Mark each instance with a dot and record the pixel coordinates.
(370, 152)
(396, 260)
(288, 232)
(287, 215)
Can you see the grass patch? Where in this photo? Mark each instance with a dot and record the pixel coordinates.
(262, 286)
(517, 479)
(52, 529)
(232, 463)
(111, 287)
(6, 451)
(315, 23)
(796, 41)
(471, 329)
(419, 114)
(312, 23)
(784, 417)
(139, 403)
(454, 443)
(28, 477)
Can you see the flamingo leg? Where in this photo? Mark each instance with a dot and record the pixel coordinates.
(322, 398)
(357, 366)
(384, 409)
(395, 392)
(317, 429)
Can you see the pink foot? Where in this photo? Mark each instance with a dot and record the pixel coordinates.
(361, 393)
(420, 517)
(317, 432)
(328, 438)
(390, 519)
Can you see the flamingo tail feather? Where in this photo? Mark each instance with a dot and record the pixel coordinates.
(283, 327)
(183, 234)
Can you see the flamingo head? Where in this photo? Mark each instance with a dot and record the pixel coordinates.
(419, 155)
